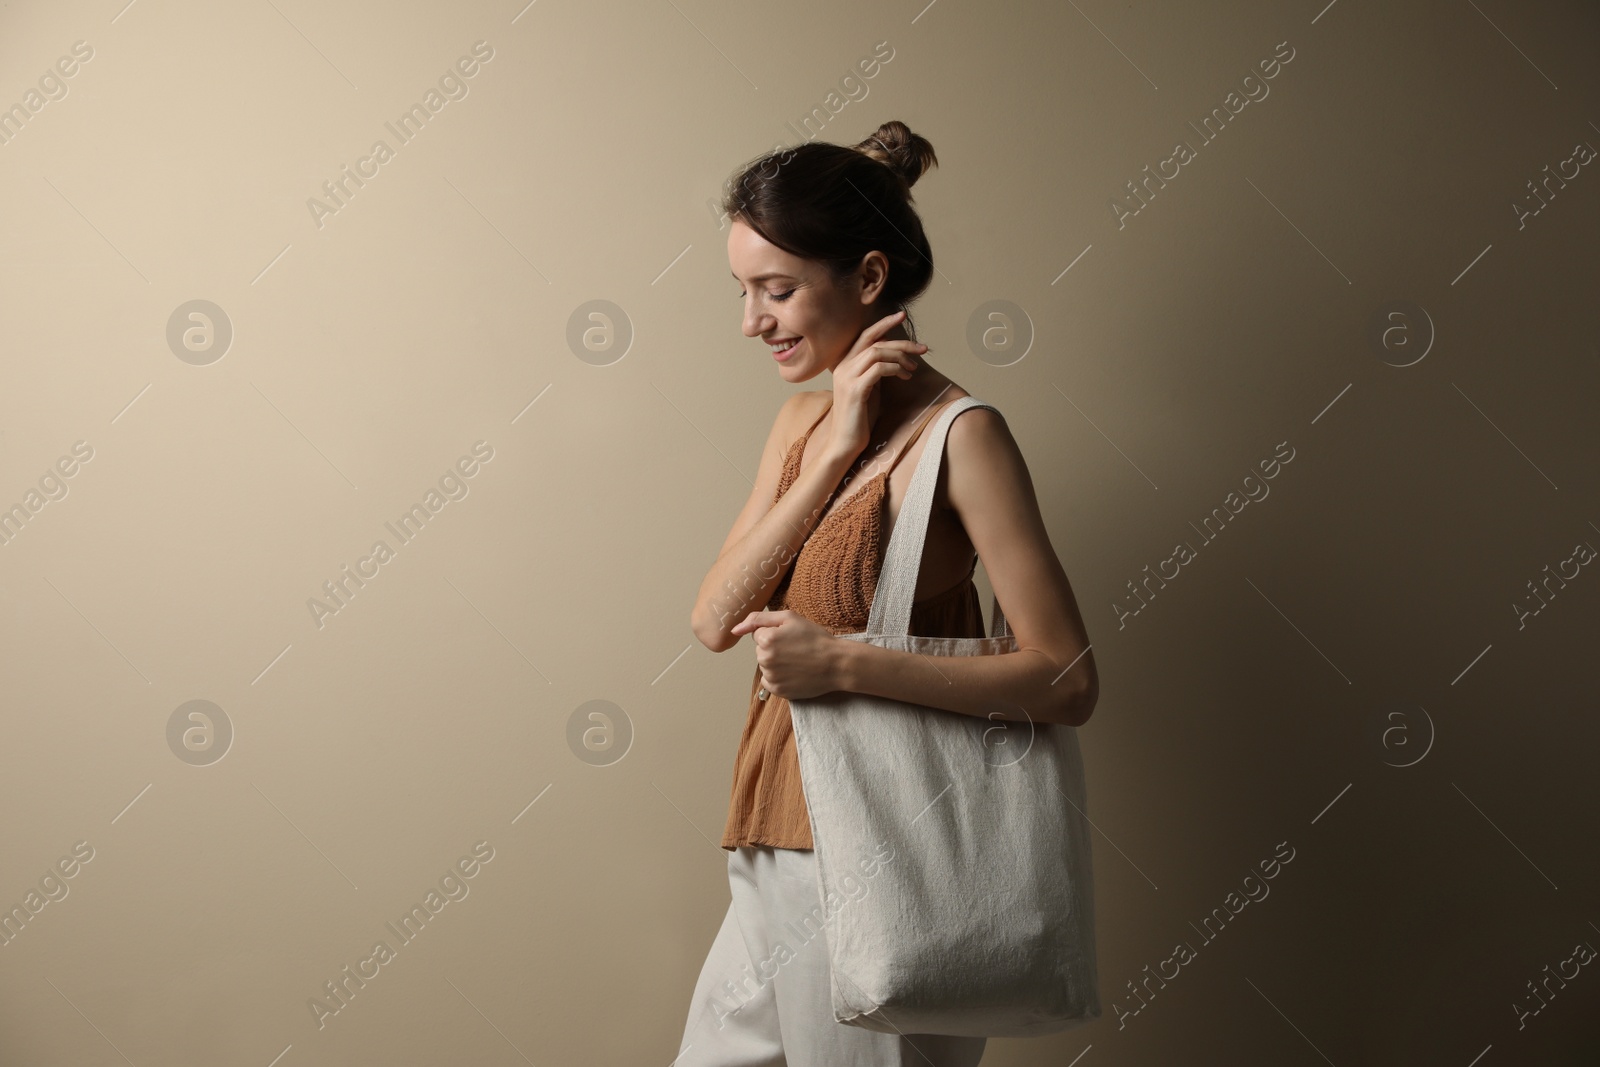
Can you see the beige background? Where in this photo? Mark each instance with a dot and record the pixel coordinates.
(1361, 616)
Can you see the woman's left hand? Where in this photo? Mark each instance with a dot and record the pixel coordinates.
(798, 659)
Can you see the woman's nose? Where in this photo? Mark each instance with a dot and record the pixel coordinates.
(754, 325)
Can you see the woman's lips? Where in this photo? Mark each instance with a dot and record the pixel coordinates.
(787, 352)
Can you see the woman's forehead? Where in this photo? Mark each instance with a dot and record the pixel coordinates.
(748, 249)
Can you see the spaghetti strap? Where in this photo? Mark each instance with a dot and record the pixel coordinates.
(917, 433)
(826, 408)
(797, 449)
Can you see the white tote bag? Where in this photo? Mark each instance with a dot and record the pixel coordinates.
(953, 852)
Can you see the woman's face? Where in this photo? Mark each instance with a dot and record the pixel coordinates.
(793, 301)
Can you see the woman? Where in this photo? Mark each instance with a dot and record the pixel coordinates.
(829, 252)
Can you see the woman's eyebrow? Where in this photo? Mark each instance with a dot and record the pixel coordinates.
(766, 276)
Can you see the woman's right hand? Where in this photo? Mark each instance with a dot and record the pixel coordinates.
(855, 383)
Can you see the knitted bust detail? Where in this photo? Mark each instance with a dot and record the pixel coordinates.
(835, 574)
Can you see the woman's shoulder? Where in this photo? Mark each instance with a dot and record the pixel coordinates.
(796, 406)
(978, 436)
(980, 425)
(980, 444)
(813, 400)
(798, 413)
(950, 395)
(804, 408)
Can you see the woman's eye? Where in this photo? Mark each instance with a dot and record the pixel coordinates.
(783, 295)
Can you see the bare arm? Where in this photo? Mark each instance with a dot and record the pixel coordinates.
(766, 536)
(1052, 677)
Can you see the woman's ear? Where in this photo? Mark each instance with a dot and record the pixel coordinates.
(874, 275)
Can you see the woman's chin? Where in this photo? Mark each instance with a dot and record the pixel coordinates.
(799, 369)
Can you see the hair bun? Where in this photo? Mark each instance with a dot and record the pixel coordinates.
(904, 152)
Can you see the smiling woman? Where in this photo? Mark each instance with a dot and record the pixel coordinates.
(829, 254)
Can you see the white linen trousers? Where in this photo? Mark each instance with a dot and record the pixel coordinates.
(762, 999)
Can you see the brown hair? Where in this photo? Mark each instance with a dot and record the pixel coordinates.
(834, 204)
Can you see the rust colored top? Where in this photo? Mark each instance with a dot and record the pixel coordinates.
(831, 581)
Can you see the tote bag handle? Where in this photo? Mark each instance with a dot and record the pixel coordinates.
(897, 581)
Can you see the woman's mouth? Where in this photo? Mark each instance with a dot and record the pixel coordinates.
(782, 350)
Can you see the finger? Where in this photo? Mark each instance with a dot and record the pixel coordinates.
(758, 619)
(899, 353)
(889, 369)
(750, 622)
(879, 328)
(908, 357)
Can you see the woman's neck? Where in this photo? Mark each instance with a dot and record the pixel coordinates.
(900, 399)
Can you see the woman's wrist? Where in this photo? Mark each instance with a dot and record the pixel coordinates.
(833, 471)
(838, 460)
